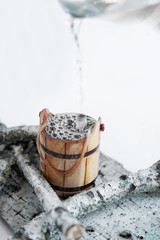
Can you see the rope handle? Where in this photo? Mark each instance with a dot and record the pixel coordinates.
(43, 120)
(71, 170)
(44, 114)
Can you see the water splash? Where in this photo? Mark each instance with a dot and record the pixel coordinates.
(75, 26)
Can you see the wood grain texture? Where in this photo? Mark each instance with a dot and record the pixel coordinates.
(87, 170)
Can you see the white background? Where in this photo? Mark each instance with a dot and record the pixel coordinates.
(121, 73)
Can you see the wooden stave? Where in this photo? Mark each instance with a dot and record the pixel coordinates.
(65, 147)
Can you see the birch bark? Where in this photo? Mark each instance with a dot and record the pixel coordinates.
(146, 180)
(6, 161)
(66, 223)
(18, 134)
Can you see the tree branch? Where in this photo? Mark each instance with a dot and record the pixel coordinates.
(18, 134)
(66, 223)
(146, 180)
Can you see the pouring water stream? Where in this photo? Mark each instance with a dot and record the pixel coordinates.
(119, 11)
(75, 30)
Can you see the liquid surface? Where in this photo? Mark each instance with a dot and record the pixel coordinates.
(69, 126)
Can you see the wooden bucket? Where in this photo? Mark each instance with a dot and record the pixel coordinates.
(69, 166)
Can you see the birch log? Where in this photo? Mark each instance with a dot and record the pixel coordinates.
(2, 126)
(146, 180)
(6, 161)
(39, 228)
(66, 223)
(18, 134)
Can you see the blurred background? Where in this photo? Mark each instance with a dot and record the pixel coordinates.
(112, 71)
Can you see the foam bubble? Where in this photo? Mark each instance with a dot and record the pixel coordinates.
(69, 126)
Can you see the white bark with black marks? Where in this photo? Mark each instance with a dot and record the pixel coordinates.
(40, 228)
(6, 161)
(66, 223)
(18, 134)
(81, 204)
(146, 180)
(18, 202)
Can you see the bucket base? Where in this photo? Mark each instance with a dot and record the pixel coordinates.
(65, 192)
